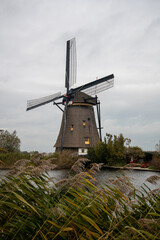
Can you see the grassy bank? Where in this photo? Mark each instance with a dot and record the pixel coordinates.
(7, 160)
(62, 160)
(33, 207)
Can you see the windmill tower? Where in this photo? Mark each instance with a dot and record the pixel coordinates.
(78, 130)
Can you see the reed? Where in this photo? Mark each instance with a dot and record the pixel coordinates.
(62, 160)
(153, 179)
(33, 207)
(35, 166)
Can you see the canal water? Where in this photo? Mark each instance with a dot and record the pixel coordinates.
(138, 178)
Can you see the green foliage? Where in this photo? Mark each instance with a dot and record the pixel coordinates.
(92, 155)
(101, 152)
(9, 141)
(114, 150)
(33, 208)
(111, 151)
(136, 152)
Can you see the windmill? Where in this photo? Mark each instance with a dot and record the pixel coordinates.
(78, 130)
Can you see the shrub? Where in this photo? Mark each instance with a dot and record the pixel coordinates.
(92, 155)
(155, 163)
(111, 151)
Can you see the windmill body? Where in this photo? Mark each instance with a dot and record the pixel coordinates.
(78, 130)
(81, 131)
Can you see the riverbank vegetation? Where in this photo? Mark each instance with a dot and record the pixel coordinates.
(116, 151)
(113, 151)
(62, 160)
(7, 160)
(34, 207)
(155, 163)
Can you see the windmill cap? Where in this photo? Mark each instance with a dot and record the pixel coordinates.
(81, 97)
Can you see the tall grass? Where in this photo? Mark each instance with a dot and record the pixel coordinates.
(32, 207)
(62, 160)
(8, 159)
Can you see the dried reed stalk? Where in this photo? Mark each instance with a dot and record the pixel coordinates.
(95, 167)
(153, 179)
(35, 166)
(21, 163)
(79, 165)
(79, 171)
(123, 184)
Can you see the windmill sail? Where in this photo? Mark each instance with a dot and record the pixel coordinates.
(71, 64)
(34, 103)
(99, 87)
(96, 86)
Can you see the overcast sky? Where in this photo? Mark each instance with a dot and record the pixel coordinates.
(112, 36)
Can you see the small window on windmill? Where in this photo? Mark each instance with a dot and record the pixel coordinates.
(84, 123)
(72, 128)
(86, 140)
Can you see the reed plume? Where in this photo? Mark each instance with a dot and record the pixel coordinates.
(79, 165)
(123, 184)
(36, 166)
(153, 179)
